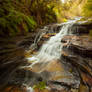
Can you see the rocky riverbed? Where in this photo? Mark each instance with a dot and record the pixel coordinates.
(71, 73)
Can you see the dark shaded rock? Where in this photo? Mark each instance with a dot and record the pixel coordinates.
(84, 52)
(54, 28)
(12, 56)
(74, 68)
(80, 45)
(77, 51)
(82, 28)
(78, 30)
(25, 76)
(14, 88)
(83, 69)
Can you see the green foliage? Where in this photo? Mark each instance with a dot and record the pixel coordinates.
(40, 85)
(13, 21)
(30, 22)
(43, 11)
(87, 10)
(20, 16)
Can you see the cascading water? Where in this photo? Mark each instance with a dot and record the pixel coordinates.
(52, 49)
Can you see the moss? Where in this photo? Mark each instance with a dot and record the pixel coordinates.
(65, 20)
(40, 85)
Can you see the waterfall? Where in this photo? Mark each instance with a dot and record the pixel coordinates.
(52, 49)
(29, 89)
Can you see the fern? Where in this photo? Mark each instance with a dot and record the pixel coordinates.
(30, 22)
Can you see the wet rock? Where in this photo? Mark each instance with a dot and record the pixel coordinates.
(55, 73)
(80, 45)
(79, 30)
(26, 76)
(85, 52)
(83, 88)
(72, 73)
(82, 27)
(11, 57)
(77, 51)
(75, 66)
(14, 88)
(54, 27)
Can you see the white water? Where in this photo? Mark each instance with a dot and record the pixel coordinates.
(30, 89)
(53, 47)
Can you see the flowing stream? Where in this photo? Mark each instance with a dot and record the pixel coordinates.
(52, 49)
